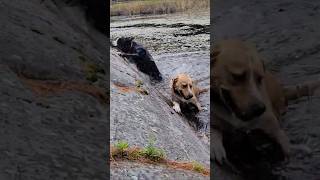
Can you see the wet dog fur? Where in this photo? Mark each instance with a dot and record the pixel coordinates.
(246, 96)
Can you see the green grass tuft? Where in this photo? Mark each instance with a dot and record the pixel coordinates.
(198, 167)
(153, 153)
(122, 145)
(92, 71)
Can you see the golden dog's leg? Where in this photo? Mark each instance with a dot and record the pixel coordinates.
(217, 148)
(203, 90)
(270, 125)
(176, 107)
(199, 91)
(196, 102)
(298, 91)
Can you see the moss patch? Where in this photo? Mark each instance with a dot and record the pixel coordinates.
(90, 69)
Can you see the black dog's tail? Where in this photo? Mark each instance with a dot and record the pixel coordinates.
(298, 91)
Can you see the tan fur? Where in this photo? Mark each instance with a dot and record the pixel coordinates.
(239, 82)
(184, 90)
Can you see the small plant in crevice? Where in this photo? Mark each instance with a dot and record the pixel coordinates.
(122, 145)
(198, 167)
(134, 153)
(91, 70)
(138, 83)
(119, 149)
(140, 88)
(152, 152)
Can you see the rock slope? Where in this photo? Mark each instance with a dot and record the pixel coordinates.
(137, 117)
(53, 92)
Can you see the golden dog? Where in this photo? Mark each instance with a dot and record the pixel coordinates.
(246, 96)
(184, 90)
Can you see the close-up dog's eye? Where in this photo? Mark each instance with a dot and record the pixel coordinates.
(239, 77)
(184, 86)
(259, 79)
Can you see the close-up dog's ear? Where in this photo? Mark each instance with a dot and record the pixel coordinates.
(264, 66)
(174, 82)
(263, 63)
(215, 51)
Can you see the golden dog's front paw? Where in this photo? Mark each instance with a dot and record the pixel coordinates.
(219, 152)
(217, 148)
(176, 107)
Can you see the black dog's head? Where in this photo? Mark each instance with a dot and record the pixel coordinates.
(124, 43)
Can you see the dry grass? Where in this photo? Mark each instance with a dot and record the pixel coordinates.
(140, 7)
(147, 156)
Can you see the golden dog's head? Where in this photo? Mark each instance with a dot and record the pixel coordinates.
(182, 85)
(238, 78)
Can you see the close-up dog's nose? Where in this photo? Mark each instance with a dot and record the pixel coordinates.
(257, 109)
(190, 96)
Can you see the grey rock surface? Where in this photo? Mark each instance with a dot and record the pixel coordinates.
(134, 171)
(136, 117)
(59, 135)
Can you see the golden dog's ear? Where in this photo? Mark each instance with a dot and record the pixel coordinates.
(173, 82)
(263, 64)
(215, 51)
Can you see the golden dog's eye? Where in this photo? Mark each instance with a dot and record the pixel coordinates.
(259, 79)
(239, 77)
(190, 86)
(184, 86)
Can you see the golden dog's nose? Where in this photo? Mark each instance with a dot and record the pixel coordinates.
(189, 96)
(257, 109)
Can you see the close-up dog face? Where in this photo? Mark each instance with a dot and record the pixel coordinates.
(124, 43)
(183, 86)
(238, 74)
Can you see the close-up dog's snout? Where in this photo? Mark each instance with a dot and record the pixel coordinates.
(257, 109)
(189, 96)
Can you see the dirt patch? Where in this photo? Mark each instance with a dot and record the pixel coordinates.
(128, 89)
(131, 154)
(46, 87)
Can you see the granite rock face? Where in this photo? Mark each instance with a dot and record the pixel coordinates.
(53, 92)
(130, 171)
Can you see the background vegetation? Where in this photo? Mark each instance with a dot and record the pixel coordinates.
(142, 7)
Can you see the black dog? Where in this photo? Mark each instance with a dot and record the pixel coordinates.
(139, 55)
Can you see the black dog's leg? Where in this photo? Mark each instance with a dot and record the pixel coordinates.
(131, 57)
(128, 55)
(150, 68)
